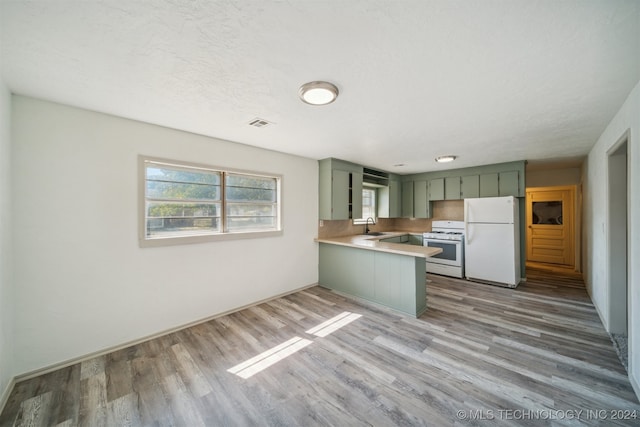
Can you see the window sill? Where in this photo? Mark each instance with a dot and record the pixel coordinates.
(187, 240)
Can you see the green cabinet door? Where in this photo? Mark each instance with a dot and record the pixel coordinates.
(452, 188)
(470, 186)
(355, 193)
(407, 199)
(508, 184)
(340, 190)
(390, 200)
(395, 199)
(339, 195)
(436, 189)
(489, 185)
(420, 199)
(415, 239)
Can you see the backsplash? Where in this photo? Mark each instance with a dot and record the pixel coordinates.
(412, 225)
(339, 228)
(449, 209)
(444, 209)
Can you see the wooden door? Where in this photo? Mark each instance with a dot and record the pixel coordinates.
(550, 225)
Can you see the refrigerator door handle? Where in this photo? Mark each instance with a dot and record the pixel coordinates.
(466, 229)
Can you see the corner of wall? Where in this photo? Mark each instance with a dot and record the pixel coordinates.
(7, 366)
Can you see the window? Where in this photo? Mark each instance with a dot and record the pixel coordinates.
(187, 203)
(547, 213)
(368, 205)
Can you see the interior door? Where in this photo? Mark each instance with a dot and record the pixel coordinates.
(550, 225)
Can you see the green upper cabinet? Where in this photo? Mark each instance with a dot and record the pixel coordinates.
(407, 199)
(340, 190)
(390, 199)
(501, 184)
(355, 193)
(452, 188)
(489, 185)
(469, 186)
(436, 189)
(411, 196)
(339, 195)
(509, 184)
(420, 200)
(415, 199)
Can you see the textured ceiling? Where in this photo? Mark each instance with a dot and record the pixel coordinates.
(489, 81)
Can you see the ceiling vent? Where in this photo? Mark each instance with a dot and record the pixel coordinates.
(259, 123)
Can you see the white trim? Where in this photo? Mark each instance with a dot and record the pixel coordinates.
(64, 364)
(144, 242)
(4, 397)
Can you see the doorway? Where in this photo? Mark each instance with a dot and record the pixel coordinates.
(618, 168)
(550, 232)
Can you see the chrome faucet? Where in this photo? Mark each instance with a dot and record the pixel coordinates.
(366, 225)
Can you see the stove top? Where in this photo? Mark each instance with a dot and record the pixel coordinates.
(446, 230)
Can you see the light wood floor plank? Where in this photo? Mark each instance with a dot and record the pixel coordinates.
(478, 349)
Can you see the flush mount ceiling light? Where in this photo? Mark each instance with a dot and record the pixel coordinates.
(445, 159)
(318, 93)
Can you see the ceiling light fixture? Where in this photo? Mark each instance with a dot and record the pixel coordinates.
(318, 93)
(446, 159)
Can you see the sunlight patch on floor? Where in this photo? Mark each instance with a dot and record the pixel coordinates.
(267, 358)
(333, 324)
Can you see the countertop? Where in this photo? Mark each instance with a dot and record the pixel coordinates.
(373, 243)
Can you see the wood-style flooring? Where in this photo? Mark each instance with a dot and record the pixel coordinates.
(480, 355)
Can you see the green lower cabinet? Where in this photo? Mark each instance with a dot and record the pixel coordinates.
(395, 283)
(397, 239)
(393, 280)
(416, 239)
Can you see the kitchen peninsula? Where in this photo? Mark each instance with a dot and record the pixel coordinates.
(365, 266)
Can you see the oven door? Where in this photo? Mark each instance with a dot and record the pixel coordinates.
(451, 252)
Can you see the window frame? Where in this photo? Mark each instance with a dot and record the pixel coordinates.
(146, 241)
(363, 221)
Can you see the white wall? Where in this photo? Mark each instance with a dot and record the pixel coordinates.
(7, 369)
(596, 222)
(82, 284)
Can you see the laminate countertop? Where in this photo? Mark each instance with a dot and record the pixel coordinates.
(373, 243)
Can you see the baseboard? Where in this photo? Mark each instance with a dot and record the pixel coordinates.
(4, 397)
(634, 384)
(102, 352)
(605, 323)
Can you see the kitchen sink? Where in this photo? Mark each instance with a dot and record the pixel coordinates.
(374, 233)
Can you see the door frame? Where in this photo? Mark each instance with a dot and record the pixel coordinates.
(576, 218)
(618, 173)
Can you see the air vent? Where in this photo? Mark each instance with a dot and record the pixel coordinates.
(259, 123)
(375, 177)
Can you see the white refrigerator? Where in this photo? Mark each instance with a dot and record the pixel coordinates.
(492, 240)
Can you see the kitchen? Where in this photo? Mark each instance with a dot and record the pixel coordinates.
(434, 209)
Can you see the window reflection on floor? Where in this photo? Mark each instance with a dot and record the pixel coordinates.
(265, 359)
